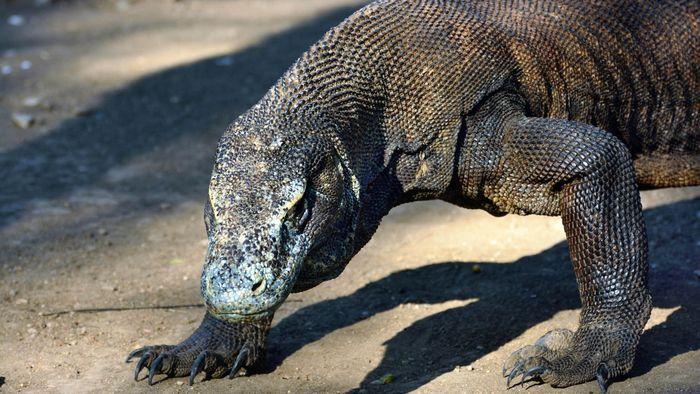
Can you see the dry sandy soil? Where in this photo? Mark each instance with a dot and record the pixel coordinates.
(102, 238)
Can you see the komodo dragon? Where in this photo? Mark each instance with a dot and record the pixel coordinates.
(561, 107)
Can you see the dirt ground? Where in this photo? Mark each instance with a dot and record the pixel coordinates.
(101, 213)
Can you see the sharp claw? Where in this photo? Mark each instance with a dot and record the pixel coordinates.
(135, 353)
(155, 368)
(141, 364)
(531, 372)
(514, 372)
(601, 375)
(239, 362)
(505, 372)
(197, 366)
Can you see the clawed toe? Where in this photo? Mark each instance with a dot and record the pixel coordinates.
(157, 367)
(143, 362)
(534, 372)
(602, 373)
(242, 355)
(209, 362)
(148, 356)
(136, 353)
(197, 366)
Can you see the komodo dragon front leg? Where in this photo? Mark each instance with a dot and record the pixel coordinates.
(584, 174)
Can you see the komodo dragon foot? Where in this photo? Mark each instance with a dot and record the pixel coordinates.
(563, 358)
(217, 348)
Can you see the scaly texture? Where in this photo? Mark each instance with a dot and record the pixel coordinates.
(532, 107)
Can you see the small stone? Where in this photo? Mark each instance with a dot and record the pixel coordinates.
(21, 301)
(102, 231)
(470, 367)
(23, 120)
(16, 20)
(386, 379)
(31, 101)
(25, 64)
(32, 331)
(179, 383)
(6, 69)
(476, 268)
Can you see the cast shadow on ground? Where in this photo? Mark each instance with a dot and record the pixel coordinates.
(511, 299)
(187, 107)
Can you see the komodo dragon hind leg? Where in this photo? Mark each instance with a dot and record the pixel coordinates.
(559, 167)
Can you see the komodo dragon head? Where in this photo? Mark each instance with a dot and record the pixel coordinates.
(281, 216)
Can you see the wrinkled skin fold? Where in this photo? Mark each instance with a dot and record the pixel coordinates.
(562, 108)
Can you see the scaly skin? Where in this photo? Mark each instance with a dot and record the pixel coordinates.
(538, 107)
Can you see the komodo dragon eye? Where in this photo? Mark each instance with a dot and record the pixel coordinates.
(300, 214)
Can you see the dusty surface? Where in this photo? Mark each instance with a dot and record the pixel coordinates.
(101, 200)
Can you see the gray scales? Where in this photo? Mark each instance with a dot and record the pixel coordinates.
(562, 108)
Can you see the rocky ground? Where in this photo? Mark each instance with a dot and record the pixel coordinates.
(109, 116)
